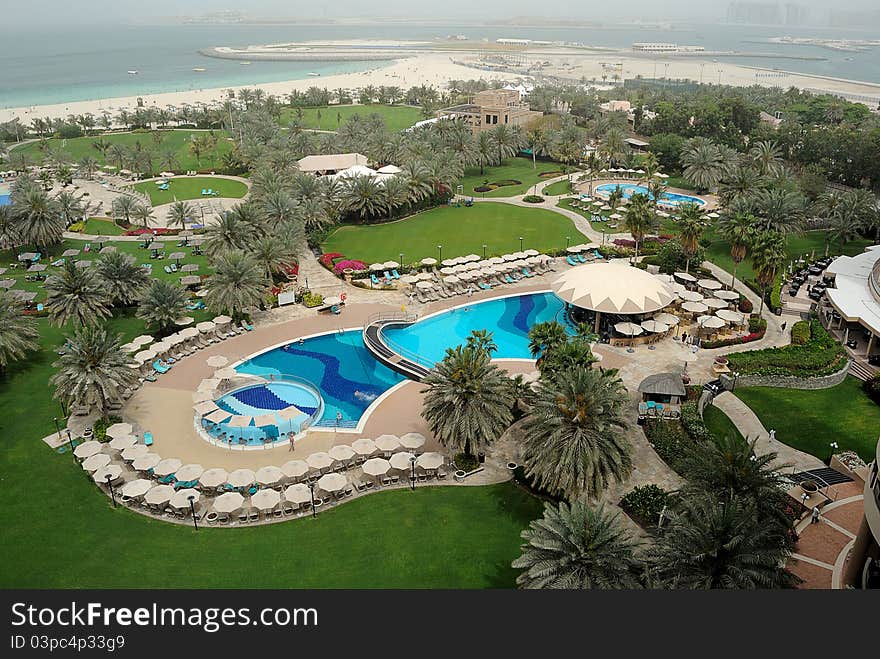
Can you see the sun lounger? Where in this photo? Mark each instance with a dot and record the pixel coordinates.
(246, 326)
(570, 260)
(484, 286)
(160, 368)
(527, 273)
(597, 254)
(580, 257)
(374, 279)
(388, 278)
(395, 274)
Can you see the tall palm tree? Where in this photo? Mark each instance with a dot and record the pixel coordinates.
(230, 232)
(143, 214)
(364, 197)
(39, 219)
(76, 294)
(179, 212)
(769, 255)
(396, 193)
(123, 279)
(10, 228)
(704, 164)
(767, 157)
(482, 340)
(313, 213)
(507, 140)
(274, 253)
(574, 443)
(574, 354)
(161, 303)
(691, 226)
(468, 400)
(742, 182)
(719, 544)
(546, 336)
(485, 153)
(779, 210)
(88, 165)
(18, 333)
(123, 207)
(278, 207)
(577, 547)
(613, 146)
(638, 218)
(738, 229)
(93, 370)
(236, 285)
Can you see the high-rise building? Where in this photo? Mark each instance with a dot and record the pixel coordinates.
(764, 13)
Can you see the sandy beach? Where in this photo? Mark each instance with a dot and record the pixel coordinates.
(436, 69)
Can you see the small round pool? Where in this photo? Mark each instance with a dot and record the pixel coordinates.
(629, 189)
(263, 413)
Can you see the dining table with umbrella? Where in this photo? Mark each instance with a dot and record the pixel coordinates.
(691, 296)
(319, 460)
(154, 247)
(387, 443)
(654, 326)
(730, 316)
(88, 449)
(295, 468)
(268, 475)
(412, 440)
(430, 460)
(167, 467)
(298, 493)
(401, 461)
(266, 499)
(429, 261)
(214, 477)
(376, 467)
(123, 442)
(95, 462)
(146, 462)
(110, 472)
(341, 452)
(137, 488)
(628, 329)
(364, 446)
(710, 322)
(132, 453)
(228, 502)
(159, 495)
(685, 276)
(241, 478)
(694, 307)
(332, 482)
(715, 303)
(180, 499)
(176, 256)
(189, 472)
(118, 430)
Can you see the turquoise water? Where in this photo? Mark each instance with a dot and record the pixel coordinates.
(4, 200)
(629, 189)
(509, 320)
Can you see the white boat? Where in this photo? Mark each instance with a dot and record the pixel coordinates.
(132, 73)
(244, 63)
(314, 74)
(199, 69)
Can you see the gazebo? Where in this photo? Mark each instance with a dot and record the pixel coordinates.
(612, 288)
(665, 388)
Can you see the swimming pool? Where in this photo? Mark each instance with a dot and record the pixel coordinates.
(629, 189)
(4, 194)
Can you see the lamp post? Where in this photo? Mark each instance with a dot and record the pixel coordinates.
(312, 494)
(567, 241)
(192, 509)
(484, 251)
(70, 443)
(412, 477)
(112, 493)
(520, 243)
(440, 252)
(57, 427)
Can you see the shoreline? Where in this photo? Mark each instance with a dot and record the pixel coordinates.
(437, 69)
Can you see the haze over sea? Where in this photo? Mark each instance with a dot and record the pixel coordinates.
(42, 66)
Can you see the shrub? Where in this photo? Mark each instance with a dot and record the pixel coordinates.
(800, 332)
(821, 355)
(757, 324)
(645, 503)
(101, 425)
(533, 199)
(776, 294)
(313, 299)
(693, 423)
(484, 188)
(466, 462)
(77, 227)
(745, 305)
(872, 388)
(669, 439)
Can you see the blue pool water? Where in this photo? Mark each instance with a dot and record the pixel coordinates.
(266, 399)
(509, 320)
(4, 200)
(629, 189)
(338, 365)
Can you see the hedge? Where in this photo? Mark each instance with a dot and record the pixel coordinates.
(800, 332)
(821, 355)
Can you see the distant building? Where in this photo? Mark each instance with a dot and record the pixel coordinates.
(663, 47)
(491, 108)
(761, 13)
(331, 163)
(615, 106)
(773, 120)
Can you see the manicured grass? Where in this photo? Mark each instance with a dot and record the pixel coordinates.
(560, 187)
(719, 423)
(98, 227)
(460, 230)
(396, 117)
(519, 169)
(176, 141)
(65, 534)
(666, 225)
(811, 420)
(190, 187)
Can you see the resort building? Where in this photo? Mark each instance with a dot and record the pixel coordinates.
(863, 566)
(855, 300)
(332, 163)
(491, 108)
(615, 106)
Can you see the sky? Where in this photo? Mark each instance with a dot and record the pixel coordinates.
(109, 11)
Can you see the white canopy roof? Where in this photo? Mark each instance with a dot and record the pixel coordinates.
(614, 288)
(856, 292)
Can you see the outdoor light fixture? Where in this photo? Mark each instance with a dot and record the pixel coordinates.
(567, 241)
(520, 243)
(112, 494)
(70, 443)
(484, 251)
(192, 508)
(312, 493)
(412, 478)
(440, 252)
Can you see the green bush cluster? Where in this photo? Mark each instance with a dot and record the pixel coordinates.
(800, 332)
(533, 199)
(693, 423)
(100, 426)
(776, 294)
(872, 388)
(645, 503)
(313, 299)
(669, 439)
(820, 355)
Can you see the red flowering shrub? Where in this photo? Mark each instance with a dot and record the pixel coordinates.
(140, 231)
(348, 263)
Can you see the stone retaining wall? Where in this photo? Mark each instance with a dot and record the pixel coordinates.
(792, 382)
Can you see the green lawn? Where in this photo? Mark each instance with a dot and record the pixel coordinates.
(519, 169)
(65, 534)
(98, 227)
(560, 187)
(157, 143)
(190, 187)
(719, 423)
(396, 117)
(667, 226)
(460, 230)
(811, 420)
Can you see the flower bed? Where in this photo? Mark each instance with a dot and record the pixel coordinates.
(348, 264)
(141, 231)
(327, 259)
(757, 329)
(820, 356)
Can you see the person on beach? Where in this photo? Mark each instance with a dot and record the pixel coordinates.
(290, 442)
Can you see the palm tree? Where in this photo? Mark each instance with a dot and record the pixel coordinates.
(70, 207)
(236, 285)
(767, 157)
(485, 153)
(507, 141)
(161, 303)
(779, 210)
(704, 164)
(396, 193)
(93, 370)
(468, 400)
(39, 218)
(769, 255)
(614, 146)
(88, 165)
(76, 294)
(229, 233)
(18, 333)
(178, 214)
(314, 215)
(10, 233)
(546, 336)
(638, 218)
(577, 547)
(574, 444)
(739, 230)
(719, 544)
(274, 253)
(124, 280)
(123, 207)
(143, 214)
(572, 355)
(741, 183)
(278, 207)
(482, 340)
(364, 197)
(690, 225)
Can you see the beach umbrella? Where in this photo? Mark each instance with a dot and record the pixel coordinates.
(219, 321)
(376, 467)
(213, 477)
(175, 339)
(180, 499)
(167, 466)
(134, 452)
(730, 316)
(709, 284)
(190, 280)
(425, 285)
(685, 276)
(144, 356)
(206, 327)
(319, 460)
(409, 279)
(401, 460)
(265, 499)
(298, 493)
(574, 249)
(184, 321)
(159, 495)
(123, 442)
(142, 340)
(227, 373)
(95, 462)
(448, 270)
(628, 329)
(691, 296)
(387, 443)
(208, 384)
(241, 478)
(155, 245)
(677, 288)
(87, 449)
(189, 472)
(429, 261)
(161, 347)
(189, 267)
(531, 252)
(295, 468)
(726, 295)
(390, 265)
(118, 430)
(430, 460)
(137, 488)
(667, 319)
(715, 303)
(376, 267)
(67, 253)
(654, 326)
(268, 475)
(425, 276)
(412, 440)
(7, 283)
(189, 332)
(341, 452)
(176, 256)
(364, 446)
(710, 322)
(694, 307)
(228, 502)
(451, 279)
(332, 482)
(110, 472)
(147, 462)
(109, 249)
(36, 267)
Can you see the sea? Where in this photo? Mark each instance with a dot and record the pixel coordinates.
(40, 65)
